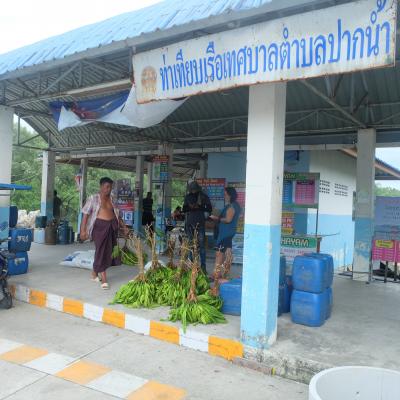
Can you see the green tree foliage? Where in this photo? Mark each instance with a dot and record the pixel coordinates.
(27, 170)
(386, 191)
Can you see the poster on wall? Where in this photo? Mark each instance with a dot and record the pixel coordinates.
(287, 222)
(160, 168)
(125, 200)
(214, 188)
(301, 189)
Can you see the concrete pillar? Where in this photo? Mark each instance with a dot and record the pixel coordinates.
(364, 209)
(169, 151)
(203, 169)
(264, 182)
(48, 175)
(139, 175)
(6, 138)
(149, 176)
(82, 190)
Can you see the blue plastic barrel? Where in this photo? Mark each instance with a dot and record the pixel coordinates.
(308, 309)
(330, 270)
(287, 294)
(231, 294)
(310, 274)
(18, 263)
(21, 239)
(63, 234)
(282, 270)
(329, 295)
(13, 216)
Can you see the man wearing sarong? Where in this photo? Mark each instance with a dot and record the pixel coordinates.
(100, 223)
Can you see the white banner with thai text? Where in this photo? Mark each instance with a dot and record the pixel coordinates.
(354, 36)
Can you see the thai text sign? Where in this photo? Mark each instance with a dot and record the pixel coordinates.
(292, 246)
(384, 250)
(349, 37)
(387, 212)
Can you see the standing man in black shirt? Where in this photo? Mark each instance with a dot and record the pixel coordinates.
(147, 207)
(195, 206)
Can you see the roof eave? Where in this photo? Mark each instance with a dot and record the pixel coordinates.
(183, 32)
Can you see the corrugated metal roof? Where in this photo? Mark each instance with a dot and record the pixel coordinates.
(159, 17)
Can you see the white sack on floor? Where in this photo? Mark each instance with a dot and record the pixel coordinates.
(79, 259)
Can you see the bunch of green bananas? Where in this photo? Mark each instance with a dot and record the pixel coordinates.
(128, 257)
(135, 294)
(196, 312)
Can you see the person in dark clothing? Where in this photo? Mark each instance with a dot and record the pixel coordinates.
(147, 206)
(56, 207)
(195, 206)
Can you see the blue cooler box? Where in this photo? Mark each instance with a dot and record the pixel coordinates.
(308, 309)
(18, 263)
(21, 240)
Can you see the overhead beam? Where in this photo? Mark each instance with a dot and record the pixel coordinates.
(333, 103)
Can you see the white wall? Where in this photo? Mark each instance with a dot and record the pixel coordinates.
(338, 177)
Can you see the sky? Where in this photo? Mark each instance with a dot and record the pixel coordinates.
(23, 22)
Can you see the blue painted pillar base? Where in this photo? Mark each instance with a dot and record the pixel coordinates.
(137, 221)
(260, 285)
(47, 210)
(4, 223)
(363, 235)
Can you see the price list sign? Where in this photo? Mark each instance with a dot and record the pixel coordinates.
(214, 188)
(301, 189)
(160, 168)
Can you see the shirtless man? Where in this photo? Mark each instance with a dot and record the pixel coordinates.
(100, 223)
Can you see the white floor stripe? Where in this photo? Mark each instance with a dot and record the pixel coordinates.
(117, 384)
(50, 363)
(8, 345)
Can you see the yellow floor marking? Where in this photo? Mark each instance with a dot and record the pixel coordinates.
(83, 372)
(156, 391)
(23, 354)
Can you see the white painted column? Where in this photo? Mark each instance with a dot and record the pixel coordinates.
(139, 175)
(48, 175)
(149, 176)
(6, 148)
(264, 182)
(364, 209)
(203, 169)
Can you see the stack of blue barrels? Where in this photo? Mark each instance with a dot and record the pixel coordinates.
(312, 297)
(18, 245)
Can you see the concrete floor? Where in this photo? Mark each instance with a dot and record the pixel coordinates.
(203, 377)
(363, 329)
